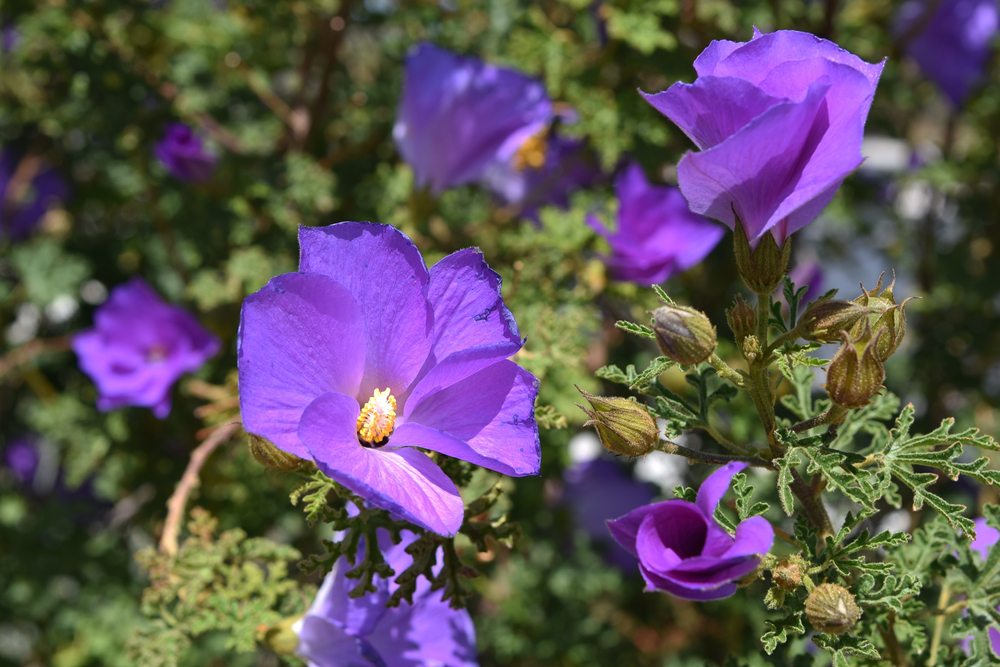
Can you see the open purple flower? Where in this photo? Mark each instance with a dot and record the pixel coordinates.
(778, 121)
(953, 43)
(27, 191)
(457, 115)
(365, 355)
(682, 549)
(339, 631)
(183, 154)
(657, 233)
(139, 347)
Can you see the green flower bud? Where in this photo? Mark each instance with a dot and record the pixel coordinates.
(683, 334)
(270, 456)
(824, 321)
(751, 348)
(856, 372)
(763, 267)
(884, 314)
(832, 609)
(280, 637)
(623, 425)
(742, 320)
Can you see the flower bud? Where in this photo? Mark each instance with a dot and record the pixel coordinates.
(884, 315)
(751, 348)
(856, 372)
(763, 267)
(270, 456)
(824, 321)
(832, 609)
(623, 425)
(280, 637)
(787, 574)
(742, 320)
(684, 334)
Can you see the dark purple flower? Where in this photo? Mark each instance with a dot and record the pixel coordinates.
(953, 44)
(657, 234)
(599, 490)
(458, 115)
(778, 121)
(365, 355)
(37, 188)
(682, 549)
(183, 154)
(22, 458)
(339, 631)
(139, 346)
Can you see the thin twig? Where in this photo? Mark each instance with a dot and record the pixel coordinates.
(694, 455)
(939, 625)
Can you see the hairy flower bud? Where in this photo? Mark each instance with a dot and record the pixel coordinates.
(884, 315)
(825, 320)
(787, 574)
(763, 267)
(623, 425)
(856, 372)
(742, 320)
(751, 348)
(270, 456)
(683, 334)
(831, 609)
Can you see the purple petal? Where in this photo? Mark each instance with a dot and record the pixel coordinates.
(707, 62)
(385, 272)
(994, 635)
(986, 537)
(753, 537)
(403, 481)
(717, 542)
(324, 644)
(626, 529)
(715, 486)
(709, 573)
(302, 335)
(670, 535)
(355, 616)
(656, 582)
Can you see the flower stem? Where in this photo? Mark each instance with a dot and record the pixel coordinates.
(726, 371)
(670, 447)
(833, 415)
(812, 505)
(939, 625)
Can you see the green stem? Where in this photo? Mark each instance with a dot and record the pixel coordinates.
(719, 438)
(694, 455)
(939, 625)
(726, 371)
(831, 416)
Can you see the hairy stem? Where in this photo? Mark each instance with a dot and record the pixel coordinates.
(694, 455)
(831, 416)
(812, 505)
(726, 371)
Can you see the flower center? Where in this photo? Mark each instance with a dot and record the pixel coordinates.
(377, 418)
(156, 353)
(532, 152)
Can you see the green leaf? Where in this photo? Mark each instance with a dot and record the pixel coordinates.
(779, 631)
(744, 496)
(663, 295)
(685, 493)
(841, 647)
(637, 329)
(657, 366)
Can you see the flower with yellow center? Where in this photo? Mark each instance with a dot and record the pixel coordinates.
(377, 418)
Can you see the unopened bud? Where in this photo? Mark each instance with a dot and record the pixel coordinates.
(269, 456)
(763, 267)
(824, 321)
(856, 373)
(623, 425)
(884, 315)
(787, 574)
(751, 348)
(684, 334)
(742, 320)
(831, 609)
(280, 637)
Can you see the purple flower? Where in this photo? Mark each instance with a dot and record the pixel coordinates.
(809, 274)
(778, 121)
(954, 44)
(339, 631)
(139, 346)
(36, 188)
(22, 458)
(182, 153)
(458, 115)
(986, 538)
(657, 233)
(365, 355)
(683, 551)
(599, 490)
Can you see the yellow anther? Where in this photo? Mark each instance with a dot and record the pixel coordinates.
(377, 418)
(532, 152)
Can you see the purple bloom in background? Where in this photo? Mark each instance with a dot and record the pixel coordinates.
(183, 154)
(987, 538)
(22, 458)
(778, 121)
(338, 631)
(954, 44)
(600, 490)
(139, 347)
(27, 190)
(808, 274)
(682, 549)
(365, 355)
(457, 115)
(657, 233)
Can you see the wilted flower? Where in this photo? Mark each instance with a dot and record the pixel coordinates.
(183, 154)
(365, 355)
(832, 609)
(139, 347)
(624, 426)
(459, 115)
(682, 549)
(683, 334)
(856, 372)
(778, 121)
(339, 631)
(885, 316)
(657, 235)
(825, 321)
(28, 188)
(952, 43)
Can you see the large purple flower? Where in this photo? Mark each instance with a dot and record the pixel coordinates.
(657, 233)
(36, 188)
(183, 154)
(778, 121)
(682, 549)
(339, 631)
(458, 115)
(365, 355)
(139, 346)
(953, 44)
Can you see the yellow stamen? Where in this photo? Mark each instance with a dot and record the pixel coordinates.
(377, 418)
(532, 152)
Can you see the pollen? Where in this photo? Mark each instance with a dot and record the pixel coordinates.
(377, 418)
(531, 154)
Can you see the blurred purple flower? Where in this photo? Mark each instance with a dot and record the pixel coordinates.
(682, 549)
(599, 490)
(10, 38)
(954, 44)
(365, 355)
(22, 208)
(778, 121)
(657, 233)
(139, 347)
(808, 274)
(458, 115)
(339, 631)
(986, 539)
(183, 154)
(22, 458)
